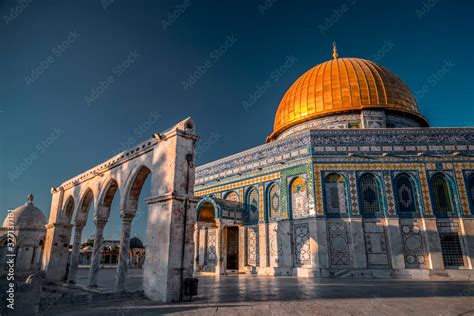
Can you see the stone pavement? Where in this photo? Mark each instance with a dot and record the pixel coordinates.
(246, 294)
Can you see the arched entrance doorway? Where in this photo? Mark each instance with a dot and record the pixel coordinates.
(219, 236)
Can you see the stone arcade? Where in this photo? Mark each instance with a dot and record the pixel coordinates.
(168, 160)
(352, 182)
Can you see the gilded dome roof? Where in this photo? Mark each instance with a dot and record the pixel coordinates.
(27, 215)
(343, 85)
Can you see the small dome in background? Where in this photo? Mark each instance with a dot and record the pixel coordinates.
(135, 242)
(26, 215)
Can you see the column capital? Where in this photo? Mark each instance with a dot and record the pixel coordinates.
(126, 216)
(80, 225)
(100, 222)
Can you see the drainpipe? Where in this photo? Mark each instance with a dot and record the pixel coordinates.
(189, 159)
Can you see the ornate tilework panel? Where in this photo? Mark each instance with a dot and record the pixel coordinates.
(369, 194)
(238, 185)
(253, 206)
(335, 191)
(211, 251)
(441, 196)
(305, 172)
(302, 246)
(273, 247)
(413, 243)
(405, 194)
(274, 202)
(425, 192)
(299, 198)
(338, 240)
(376, 244)
(387, 181)
(252, 246)
(466, 188)
(232, 196)
(318, 190)
(470, 189)
(353, 191)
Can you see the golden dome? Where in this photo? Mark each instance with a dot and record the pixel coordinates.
(343, 85)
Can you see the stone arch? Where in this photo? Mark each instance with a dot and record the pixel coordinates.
(298, 197)
(106, 197)
(252, 204)
(470, 190)
(133, 188)
(83, 207)
(68, 210)
(442, 194)
(406, 194)
(272, 194)
(335, 194)
(231, 196)
(370, 195)
(165, 155)
(207, 209)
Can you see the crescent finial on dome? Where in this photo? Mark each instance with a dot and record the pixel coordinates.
(334, 50)
(30, 198)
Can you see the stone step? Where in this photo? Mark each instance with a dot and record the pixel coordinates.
(401, 274)
(439, 274)
(345, 273)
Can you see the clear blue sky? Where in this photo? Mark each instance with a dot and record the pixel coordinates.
(81, 79)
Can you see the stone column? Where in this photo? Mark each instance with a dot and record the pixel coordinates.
(219, 240)
(467, 227)
(122, 268)
(242, 249)
(161, 273)
(56, 246)
(285, 251)
(433, 243)
(56, 251)
(395, 243)
(322, 245)
(313, 234)
(196, 248)
(263, 247)
(358, 243)
(96, 253)
(202, 247)
(171, 214)
(76, 249)
(37, 258)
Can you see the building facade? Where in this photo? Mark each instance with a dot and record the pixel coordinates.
(110, 253)
(352, 182)
(22, 239)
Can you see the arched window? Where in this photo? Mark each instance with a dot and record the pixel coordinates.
(273, 201)
(299, 198)
(335, 194)
(470, 190)
(252, 206)
(369, 194)
(232, 196)
(405, 194)
(441, 196)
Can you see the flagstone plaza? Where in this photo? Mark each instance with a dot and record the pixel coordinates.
(239, 294)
